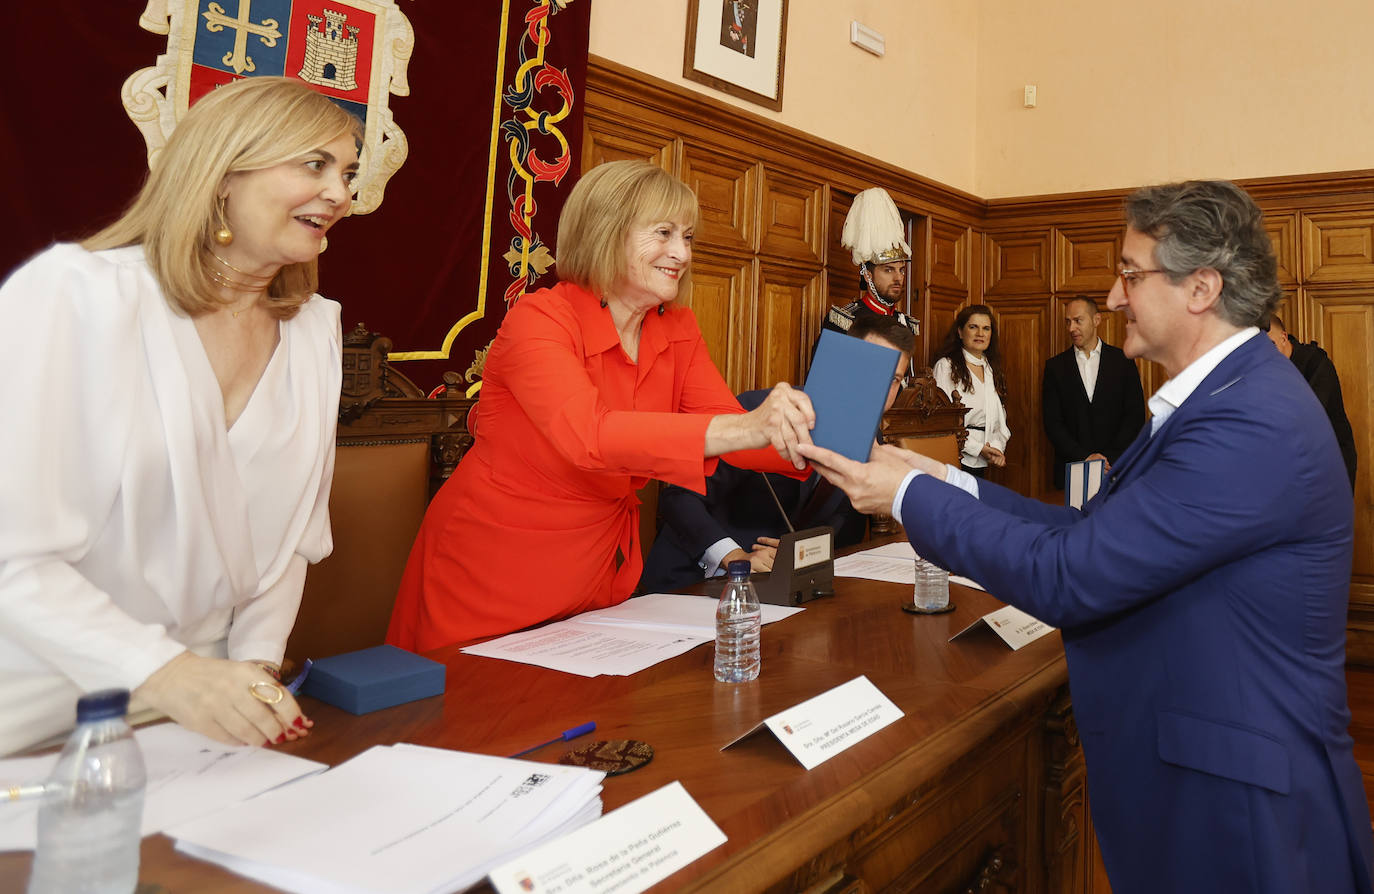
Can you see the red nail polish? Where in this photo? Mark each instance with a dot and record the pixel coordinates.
(267, 744)
(299, 723)
(281, 738)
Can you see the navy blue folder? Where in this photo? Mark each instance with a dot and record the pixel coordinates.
(848, 386)
(375, 678)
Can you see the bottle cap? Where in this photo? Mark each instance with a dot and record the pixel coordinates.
(102, 705)
(739, 568)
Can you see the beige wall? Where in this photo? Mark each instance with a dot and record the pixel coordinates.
(1127, 94)
(1179, 89)
(904, 108)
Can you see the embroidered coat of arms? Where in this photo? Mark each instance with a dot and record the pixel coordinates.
(353, 51)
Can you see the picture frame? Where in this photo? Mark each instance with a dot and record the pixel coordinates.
(738, 47)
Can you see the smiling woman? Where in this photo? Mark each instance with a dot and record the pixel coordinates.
(590, 389)
(172, 480)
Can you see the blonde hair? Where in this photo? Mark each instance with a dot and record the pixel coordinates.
(609, 201)
(248, 125)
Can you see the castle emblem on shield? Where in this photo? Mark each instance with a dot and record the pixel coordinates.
(353, 51)
(331, 57)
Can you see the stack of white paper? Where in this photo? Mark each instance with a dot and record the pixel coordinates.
(189, 775)
(400, 818)
(893, 562)
(620, 640)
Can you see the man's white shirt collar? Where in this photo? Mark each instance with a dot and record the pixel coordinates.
(1088, 355)
(1174, 392)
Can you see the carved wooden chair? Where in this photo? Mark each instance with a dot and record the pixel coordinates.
(924, 419)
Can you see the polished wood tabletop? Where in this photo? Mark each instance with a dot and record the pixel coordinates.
(776, 814)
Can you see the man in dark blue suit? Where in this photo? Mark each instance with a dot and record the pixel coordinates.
(1201, 593)
(1091, 399)
(737, 519)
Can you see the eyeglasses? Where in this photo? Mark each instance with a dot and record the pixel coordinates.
(1130, 276)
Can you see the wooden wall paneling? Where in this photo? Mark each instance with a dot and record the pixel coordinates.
(610, 140)
(1343, 324)
(787, 322)
(1085, 259)
(793, 218)
(1017, 263)
(950, 245)
(1338, 246)
(1283, 233)
(721, 297)
(1021, 334)
(944, 306)
(727, 193)
(842, 284)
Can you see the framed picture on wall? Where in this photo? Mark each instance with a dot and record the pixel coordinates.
(738, 47)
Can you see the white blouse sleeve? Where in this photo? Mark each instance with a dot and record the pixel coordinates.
(944, 378)
(1000, 434)
(62, 446)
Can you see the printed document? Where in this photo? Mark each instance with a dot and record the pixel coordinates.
(399, 819)
(189, 775)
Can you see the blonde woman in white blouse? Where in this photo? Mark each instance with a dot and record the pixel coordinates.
(168, 464)
(967, 362)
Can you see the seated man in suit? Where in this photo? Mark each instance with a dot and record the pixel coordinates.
(1320, 373)
(1201, 593)
(737, 518)
(1091, 398)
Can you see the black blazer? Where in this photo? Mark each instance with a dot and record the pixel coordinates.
(737, 505)
(1107, 425)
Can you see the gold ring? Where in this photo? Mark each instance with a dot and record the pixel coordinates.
(273, 693)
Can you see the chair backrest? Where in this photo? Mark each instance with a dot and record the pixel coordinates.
(378, 500)
(924, 419)
(942, 447)
(394, 449)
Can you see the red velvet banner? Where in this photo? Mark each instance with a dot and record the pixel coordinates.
(468, 222)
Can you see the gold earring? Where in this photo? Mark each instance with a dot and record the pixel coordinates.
(224, 235)
(324, 243)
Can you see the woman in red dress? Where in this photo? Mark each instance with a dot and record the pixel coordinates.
(591, 388)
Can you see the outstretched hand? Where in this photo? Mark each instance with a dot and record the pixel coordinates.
(215, 697)
(871, 486)
(785, 419)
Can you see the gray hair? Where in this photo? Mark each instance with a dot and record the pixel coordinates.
(1211, 224)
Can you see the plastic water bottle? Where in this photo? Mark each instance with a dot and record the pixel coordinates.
(932, 586)
(738, 622)
(90, 818)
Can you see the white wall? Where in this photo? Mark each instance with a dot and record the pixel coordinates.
(1176, 89)
(1128, 93)
(914, 107)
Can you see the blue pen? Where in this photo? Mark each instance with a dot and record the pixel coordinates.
(567, 736)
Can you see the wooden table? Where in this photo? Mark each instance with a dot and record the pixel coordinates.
(981, 779)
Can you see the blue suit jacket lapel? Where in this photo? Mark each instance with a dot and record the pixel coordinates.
(1227, 373)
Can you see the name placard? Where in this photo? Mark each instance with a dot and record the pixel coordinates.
(625, 851)
(810, 551)
(821, 727)
(1015, 627)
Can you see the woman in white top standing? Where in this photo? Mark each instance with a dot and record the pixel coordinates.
(967, 362)
(167, 462)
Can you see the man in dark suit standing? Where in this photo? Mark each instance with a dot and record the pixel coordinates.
(1320, 374)
(1202, 592)
(1091, 398)
(737, 519)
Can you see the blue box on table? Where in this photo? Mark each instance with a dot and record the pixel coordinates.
(372, 679)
